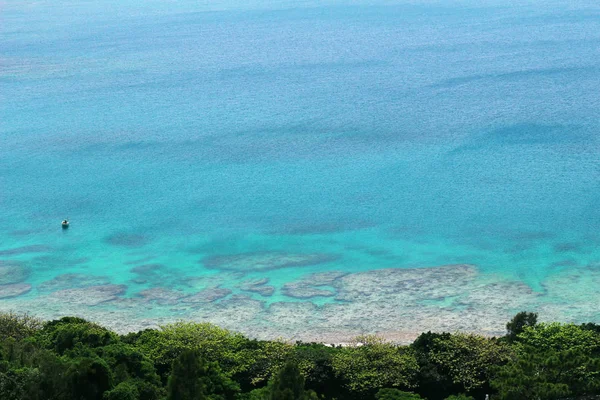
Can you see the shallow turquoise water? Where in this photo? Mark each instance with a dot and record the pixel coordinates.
(356, 136)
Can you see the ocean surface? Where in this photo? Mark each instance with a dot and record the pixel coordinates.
(213, 156)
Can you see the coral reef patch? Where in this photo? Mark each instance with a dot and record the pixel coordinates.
(89, 296)
(308, 286)
(323, 278)
(209, 280)
(409, 284)
(257, 286)
(207, 295)
(397, 303)
(301, 290)
(162, 296)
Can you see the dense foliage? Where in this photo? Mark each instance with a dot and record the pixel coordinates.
(74, 359)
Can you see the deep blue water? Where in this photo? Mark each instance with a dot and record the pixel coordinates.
(359, 136)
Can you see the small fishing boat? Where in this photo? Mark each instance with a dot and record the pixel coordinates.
(65, 223)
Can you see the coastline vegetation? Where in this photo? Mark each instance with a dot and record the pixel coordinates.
(74, 359)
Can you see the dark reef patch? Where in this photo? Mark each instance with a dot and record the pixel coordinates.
(532, 236)
(12, 272)
(158, 275)
(522, 135)
(566, 247)
(265, 261)
(37, 248)
(127, 240)
(569, 262)
(323, 228)
(147, 268)
(70, 281)
(50, 261)
(14, 290)
(23, 232)
(140, 260)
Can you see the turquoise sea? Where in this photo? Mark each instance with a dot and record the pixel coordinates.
(203, 148)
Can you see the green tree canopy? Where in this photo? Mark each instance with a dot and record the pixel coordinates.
(395, 394)
(371, 364)
(211, 342)
(129, 362)
(526, 377)
(31, 373)
(459, 397)
(18, 326)
(192, 378)
(69, 332)
(468, 359)
(315, 362)
(268, 358)
(134, 389)
(88, 378)
(288, 384)
(435, 381)
(519, 323)
(560, 337)
(123, 391)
